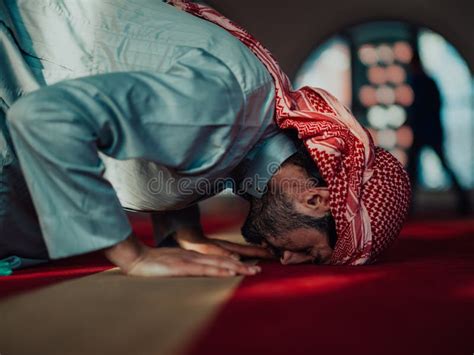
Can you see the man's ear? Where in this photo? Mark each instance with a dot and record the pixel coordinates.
(314, 201)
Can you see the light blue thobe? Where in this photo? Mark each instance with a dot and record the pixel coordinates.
(153, 91)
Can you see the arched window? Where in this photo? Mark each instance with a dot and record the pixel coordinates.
(368, 68)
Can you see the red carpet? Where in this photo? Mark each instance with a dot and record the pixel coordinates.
(83, 265)
(418, 300)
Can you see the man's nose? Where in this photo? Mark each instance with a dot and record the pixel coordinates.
(290, 257)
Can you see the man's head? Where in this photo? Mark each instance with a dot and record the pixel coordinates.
(293, 217)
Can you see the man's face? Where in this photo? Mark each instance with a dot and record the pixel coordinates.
(302, 245)
(292, 219)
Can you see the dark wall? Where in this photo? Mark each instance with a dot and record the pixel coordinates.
(291, 29)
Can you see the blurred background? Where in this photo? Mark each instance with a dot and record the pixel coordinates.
(405, 70)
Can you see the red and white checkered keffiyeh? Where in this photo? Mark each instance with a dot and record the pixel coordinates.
(369, 189)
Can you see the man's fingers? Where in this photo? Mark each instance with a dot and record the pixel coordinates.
(195, 269)
(245, 250)
(211, 249)
(179, 262)
(227, 263)
(214, 249)
(224, 248)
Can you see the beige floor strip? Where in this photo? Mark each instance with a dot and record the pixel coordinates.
(108, 313)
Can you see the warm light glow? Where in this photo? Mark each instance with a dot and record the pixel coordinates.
(377, 75)
(377, 117)
(405, 137)
(385, 95)
(403, 52)
(368, 54)
(396, 74)
(367, 96)
(385, 54)
(404, 95)
(396, 115)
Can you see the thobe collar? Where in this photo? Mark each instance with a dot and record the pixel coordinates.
(261, 163)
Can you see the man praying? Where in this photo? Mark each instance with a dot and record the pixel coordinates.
(104, 103)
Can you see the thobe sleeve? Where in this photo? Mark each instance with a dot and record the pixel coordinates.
(58, 131)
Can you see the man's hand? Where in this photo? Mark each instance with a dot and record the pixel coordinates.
(193, 239)
(136, 259)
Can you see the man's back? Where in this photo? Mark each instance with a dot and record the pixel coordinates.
(173, 91)
(68, 39)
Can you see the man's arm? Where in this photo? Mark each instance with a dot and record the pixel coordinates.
(185, 227)
(136, 259)
(57, 132)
